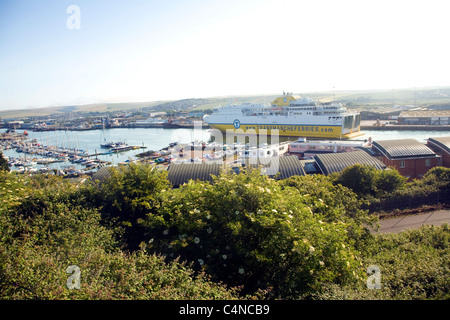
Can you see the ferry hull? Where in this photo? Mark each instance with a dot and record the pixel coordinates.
(311, 131)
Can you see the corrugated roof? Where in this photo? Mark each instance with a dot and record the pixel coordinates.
(441, 142)
(337, 162)
(404, 148)
(424, 114)
(290, 166)
(102, 174)
(180, 173)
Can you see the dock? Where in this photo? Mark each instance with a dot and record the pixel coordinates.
(116, 150)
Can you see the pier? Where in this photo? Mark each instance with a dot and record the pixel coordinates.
(399, 127)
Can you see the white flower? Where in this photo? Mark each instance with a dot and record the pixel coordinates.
(166, 232)
(273, 210)
(208, 216)
(200, 261)
(228, 247)
(196, 240)
(311, 249)
(241, 270)
(321, 263)
(224, 256)
(209, 230)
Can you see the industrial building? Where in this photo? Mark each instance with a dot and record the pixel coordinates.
(428, 117)
(337, 162)
(441, 146)
(410, 157)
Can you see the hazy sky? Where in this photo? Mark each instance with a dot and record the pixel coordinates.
(132, 50)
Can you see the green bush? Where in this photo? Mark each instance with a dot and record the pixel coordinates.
(413, 264)
(387, 190)
(362, 179)
(43, 231)
(4, 166)
(388, 181)
(249, 230)
(127, 196)
(303, 237)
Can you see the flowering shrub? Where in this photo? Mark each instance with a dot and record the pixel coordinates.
(43, 231)
(134, 237)
(250, 230)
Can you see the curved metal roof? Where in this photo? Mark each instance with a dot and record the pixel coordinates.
(337, 162)
(441, 142)
(405, 148)
(180, 173)
(290, 166)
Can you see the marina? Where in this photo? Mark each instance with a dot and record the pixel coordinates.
(87, 151)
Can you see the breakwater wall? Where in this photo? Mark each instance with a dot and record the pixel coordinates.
(406, 128)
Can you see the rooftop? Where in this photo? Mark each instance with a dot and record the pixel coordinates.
(337, 162)
(424, 114)
(290, 166)
(180, 173)
(404, 148)
(441, 142)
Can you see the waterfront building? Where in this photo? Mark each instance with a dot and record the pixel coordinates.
(426, 117)
(441, 145)
(181, 173)
(337, 162)
(308, 148)
(410, 157)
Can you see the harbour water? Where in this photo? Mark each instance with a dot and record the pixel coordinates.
(158, 138)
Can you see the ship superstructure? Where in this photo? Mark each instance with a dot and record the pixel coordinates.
(291, 115)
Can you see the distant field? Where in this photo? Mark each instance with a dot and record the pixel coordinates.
(438, 97)
(99, 107)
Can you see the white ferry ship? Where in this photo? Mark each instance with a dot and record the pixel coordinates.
(291, 115)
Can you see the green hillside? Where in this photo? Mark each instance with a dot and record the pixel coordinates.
(435, 97)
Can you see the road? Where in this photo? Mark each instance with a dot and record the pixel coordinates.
(395, 225)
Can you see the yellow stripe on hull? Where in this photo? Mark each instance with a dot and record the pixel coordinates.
(291, 130)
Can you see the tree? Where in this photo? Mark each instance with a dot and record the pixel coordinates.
(362, 179)
(388, 181)
(127, 196)
(247, 229)
(4, 166)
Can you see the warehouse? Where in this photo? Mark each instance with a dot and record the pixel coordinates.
(441, 146)
(410, 157)
(337, 162)
(428, 117)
